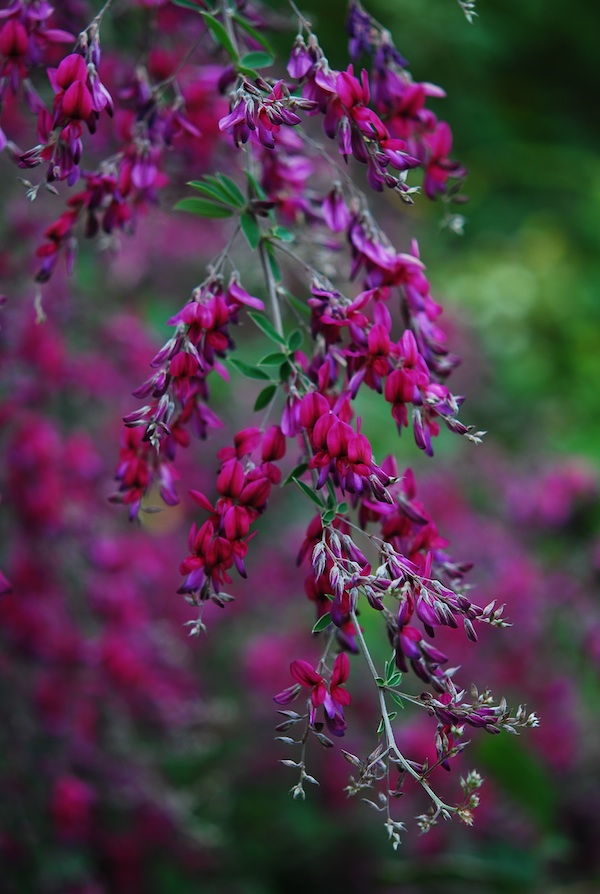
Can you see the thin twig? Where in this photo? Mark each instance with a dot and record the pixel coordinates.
(271, 287)
(389, 733)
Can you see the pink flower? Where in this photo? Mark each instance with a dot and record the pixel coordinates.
(332, 696)
(77, 101)
(70, 806)
(71, 69)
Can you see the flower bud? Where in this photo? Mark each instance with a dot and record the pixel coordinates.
(77, 101)
(71, 69)
(256, 493)
(273, 445)
(246, 441)
(301, 61)
(230, 479)
(14, 39)
(183, 365)
(312, 406)
(236, 523)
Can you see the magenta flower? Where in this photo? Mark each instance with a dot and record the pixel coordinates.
(301, 60)
(237, 296)
(273, 444)
(71, 805)
(438, 167)
(335, 211)
(258, 115)
(5, 585)
(333, 697)
(14, 43)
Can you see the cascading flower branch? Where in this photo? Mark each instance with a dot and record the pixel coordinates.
(151, 118)
(371, 546)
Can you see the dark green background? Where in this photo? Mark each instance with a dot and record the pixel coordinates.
(522, 100)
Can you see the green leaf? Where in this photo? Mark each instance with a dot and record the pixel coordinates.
(251, 372)
(343, 508)
(309, 492)
(296, 472)
(267, 327)
(220, 34)
(301, 306)
(251, 73)
(379, 681)
(237, 196)
(203, 208)
(271, 359)
(331, 497)
(220, 188)
(397, 699)
(255, 187)
(212, 192)
(327, 517)
(245, 25)
(265, 397)
(394, 679)
(285, 372)
(275, 268)
(187, 4)
(250, 229)
(257, 60)
(295, 339)
(284, 234)
(323, 622)
(228, 191)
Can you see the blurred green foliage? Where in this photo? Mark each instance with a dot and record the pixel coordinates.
(521, 85)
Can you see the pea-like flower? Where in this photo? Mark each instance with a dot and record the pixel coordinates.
(332, 695)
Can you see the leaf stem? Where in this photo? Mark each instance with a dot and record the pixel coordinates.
(271, 288)
(441, 807)
(227, 16)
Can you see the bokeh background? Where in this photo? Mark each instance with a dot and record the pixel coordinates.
(135, 760)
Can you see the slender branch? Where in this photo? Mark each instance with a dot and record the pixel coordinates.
(325, 155)
(281, 246)
(323, 659)
(271, 287)
(389, 733)
(97, 20)
(227, 16)
(304, 21)
(216, 267)
(162, 85)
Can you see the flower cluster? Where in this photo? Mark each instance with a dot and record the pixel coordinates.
(128, 177)
(343, 100)
(360, 318)
(397, 132)
(79, 98)
(244, 489)
(124, 184)
(331, 695)
(259, 110)
(92, 654)
(337, 450)
(354, 343)
(401, 102)
(26, 41)
(406, 370)
(179, 391)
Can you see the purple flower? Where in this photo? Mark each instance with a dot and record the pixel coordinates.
(332, 696)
